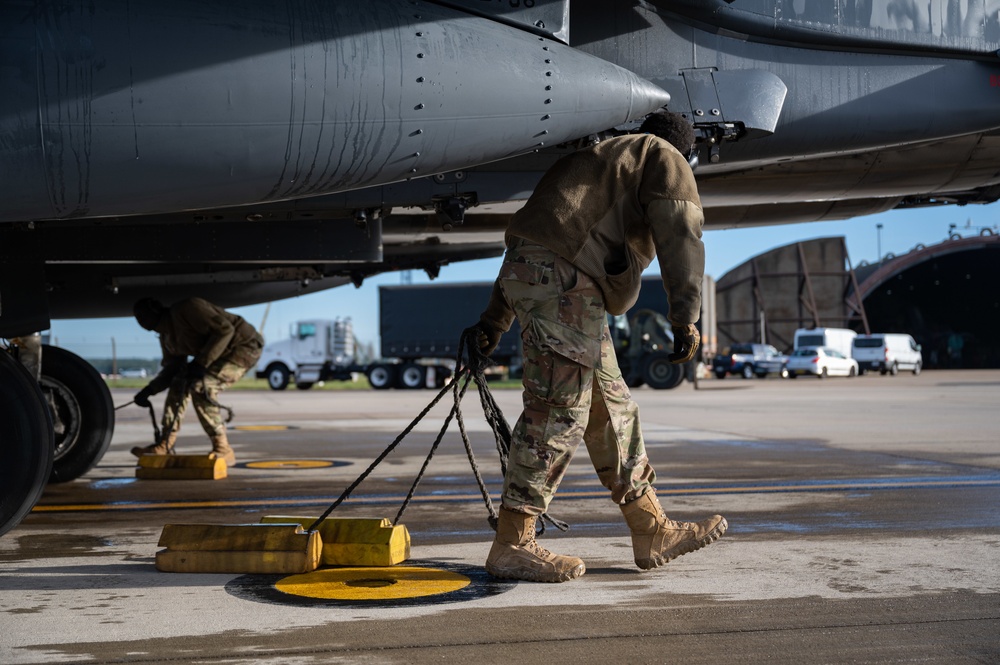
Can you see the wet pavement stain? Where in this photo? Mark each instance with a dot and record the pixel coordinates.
(33, 546)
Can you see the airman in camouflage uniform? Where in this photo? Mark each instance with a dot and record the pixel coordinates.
(569, 367)
(223, 347)
(576, 252)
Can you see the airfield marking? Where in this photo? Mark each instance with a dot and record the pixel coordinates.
(420, 583)
(871, 484)
(291, 464)
(262, 428)
(373, 583)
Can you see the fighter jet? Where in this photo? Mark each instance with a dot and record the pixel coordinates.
(251, 151)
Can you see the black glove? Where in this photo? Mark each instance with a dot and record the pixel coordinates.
(686, 342)
(488, 337)
(194, 372)
(142, 398)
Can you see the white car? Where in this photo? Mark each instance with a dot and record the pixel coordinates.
(820, 361)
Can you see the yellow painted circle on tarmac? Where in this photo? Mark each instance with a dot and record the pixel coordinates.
(290, 464)
(372, 583)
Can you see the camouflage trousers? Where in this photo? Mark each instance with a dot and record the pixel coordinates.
(573, 388)
(204, 395)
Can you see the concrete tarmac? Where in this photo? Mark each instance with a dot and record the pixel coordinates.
(864, 528)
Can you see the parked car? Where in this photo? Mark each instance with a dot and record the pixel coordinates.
(749, 360)
(831, 338)
(887, 353)
(820, 361)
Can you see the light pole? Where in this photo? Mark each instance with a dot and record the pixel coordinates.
(879, 228)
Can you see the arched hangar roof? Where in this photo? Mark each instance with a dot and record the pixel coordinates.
(871, 277)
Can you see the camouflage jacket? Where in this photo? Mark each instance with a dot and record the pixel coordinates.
(608, 209)
(196, 327)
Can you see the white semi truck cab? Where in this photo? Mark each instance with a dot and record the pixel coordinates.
(316, 350)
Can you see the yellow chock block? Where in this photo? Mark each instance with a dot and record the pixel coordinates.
(238, 548)
(353, 541)
(180, 467)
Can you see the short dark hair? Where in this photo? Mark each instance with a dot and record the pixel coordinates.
(671, 127)
(148, 312)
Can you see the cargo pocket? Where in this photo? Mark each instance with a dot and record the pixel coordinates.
(554, 379)
(570, 343)
(534, 459)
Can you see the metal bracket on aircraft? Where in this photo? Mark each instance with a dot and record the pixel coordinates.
(727, 105)
(363, 215)
(452, 208)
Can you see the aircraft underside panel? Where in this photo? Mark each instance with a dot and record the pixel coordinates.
(842, 98)
(944, 26)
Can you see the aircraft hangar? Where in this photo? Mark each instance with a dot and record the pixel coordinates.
(944, 295)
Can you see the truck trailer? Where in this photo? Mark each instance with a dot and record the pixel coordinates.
(420, 327)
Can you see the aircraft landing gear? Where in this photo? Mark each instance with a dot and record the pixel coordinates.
(27, 444)
(83, 414)
(56, 425)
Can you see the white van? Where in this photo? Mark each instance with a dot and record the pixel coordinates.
(834, 338)
(887, 353)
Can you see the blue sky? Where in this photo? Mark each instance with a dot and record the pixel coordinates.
(726, 249)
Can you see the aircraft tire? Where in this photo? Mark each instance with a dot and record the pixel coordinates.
(83, 413)
(27, 444)
(661, 374)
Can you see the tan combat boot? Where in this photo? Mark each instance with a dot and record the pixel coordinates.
(657, 540)
(164, 447)
(222, 450)
(516, 555)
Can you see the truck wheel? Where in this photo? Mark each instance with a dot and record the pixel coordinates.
(305, 385)
(412, 376)
(382, 377)
(83, 413)
(27, 444)
(747, 371)
(441, 375)
(277, 376)
(660, 373)
(634, 381)
(917, 368)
